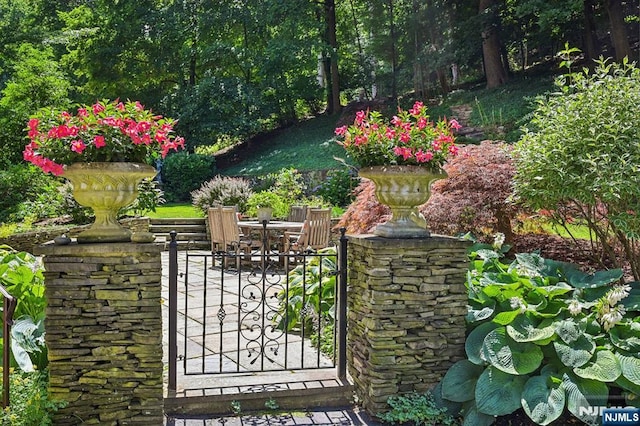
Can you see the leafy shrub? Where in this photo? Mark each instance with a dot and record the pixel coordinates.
(26, 192)
(310, 299)
(183, 173)
(579, 160)
(420, 409)
(476, 195)
(365, 212)
(30, 405)
(270, 199)
(544, 336)
(338, 188)
(224, 191)
(21, 274)
(149, 197)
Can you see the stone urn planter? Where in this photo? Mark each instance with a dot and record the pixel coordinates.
(403, 189)
(264, 213)
(106, 188)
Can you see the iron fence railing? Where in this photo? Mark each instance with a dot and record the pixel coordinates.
(9, 307)
(227, 317)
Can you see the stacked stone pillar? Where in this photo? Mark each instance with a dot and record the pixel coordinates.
(104, 332)
(406, 314)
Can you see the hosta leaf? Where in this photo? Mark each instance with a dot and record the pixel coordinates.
(498, 393)
(625, 383)
(632, 301)
(453, 408)
(569, 331)
(510, 356)
(552, 291)
(523, 329)
(630, 367)
(530, 264)
(605, 367)
(542, 403)
(504, 318)
(472, 417)
(576, 353)
(459, 382)
(479, 312)
(626, 337)
(582, 395)
(580, 279)
(475, 340)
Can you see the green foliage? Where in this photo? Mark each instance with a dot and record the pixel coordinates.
(268, 199)
(25, 192)
(30, 404)
(21, 274)
(175, 211)
(183, 173)
(578, 160)
(222, 191)
(338, 187)
(417, 409)
(271, 404)
(310, 298)
(543, 336)
(150, 196)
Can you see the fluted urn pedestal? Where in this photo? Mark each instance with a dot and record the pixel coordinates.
(403, 189)
(106, 188)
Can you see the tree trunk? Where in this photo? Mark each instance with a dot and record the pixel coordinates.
(591, 46)
(330, 16)
(493, 67)
(394, 62)
(618, 29)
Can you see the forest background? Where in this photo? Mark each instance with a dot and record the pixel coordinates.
(233, 69)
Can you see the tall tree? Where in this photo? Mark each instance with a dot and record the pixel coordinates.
(619, 36)
(495, 71)
(333, 95)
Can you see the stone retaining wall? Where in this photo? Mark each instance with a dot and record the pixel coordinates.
(406, 314)
(26, 241)
(104, 332)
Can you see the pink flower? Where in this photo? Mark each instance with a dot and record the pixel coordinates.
(454, 124)
(423, 157)
(78, 146)
(417, 109)
(360, 116)
(453, 150)
(360, 140)
(33, 124)
(98, 141)
(97, 108)
(405, 137)
(396, 121)
(421, 123)
(82, 112)
(341, 131)
(405, 152)
(390, 133)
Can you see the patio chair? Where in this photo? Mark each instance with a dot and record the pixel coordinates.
(233, 240)
(315, 234)
(297, 214)
(214, 220)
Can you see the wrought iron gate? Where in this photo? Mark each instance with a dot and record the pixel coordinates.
(238, 312)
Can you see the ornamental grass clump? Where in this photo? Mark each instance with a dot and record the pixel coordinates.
(107, 131)
(410, 138)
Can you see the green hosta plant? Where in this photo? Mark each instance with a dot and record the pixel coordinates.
(544, 336)
(309, 301)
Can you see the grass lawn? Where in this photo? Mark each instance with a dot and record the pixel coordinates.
(309, 145)
(171, 211)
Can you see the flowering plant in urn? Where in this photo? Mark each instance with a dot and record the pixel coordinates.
(101, 150)
(107, 131)
(402, 157)
(410, 138)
